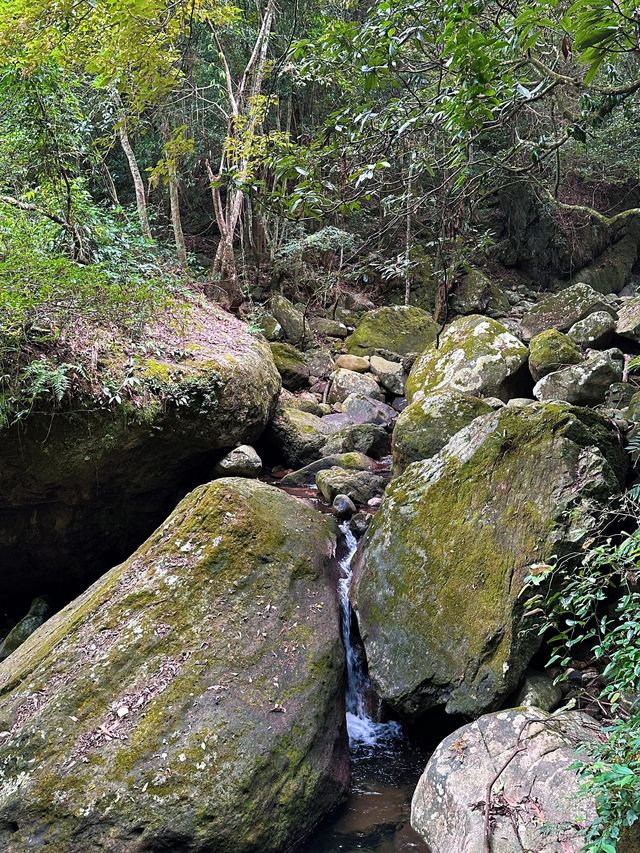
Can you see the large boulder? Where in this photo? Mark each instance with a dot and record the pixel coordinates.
(358, 486)
(401, 329)
(345, 382)
(370, 439)
(192, 699)
(81, 486)
(595, 331)
(628, 325)
(478, 294)
(476, 355)
(584, 384)
(352, 461)
(561, 310)
(551, 350)
(438, 576)
(535, 803)
(360, 409)
(424, 427)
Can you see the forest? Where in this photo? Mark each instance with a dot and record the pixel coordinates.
(319, 426)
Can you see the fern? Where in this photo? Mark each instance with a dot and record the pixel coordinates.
(43, 380)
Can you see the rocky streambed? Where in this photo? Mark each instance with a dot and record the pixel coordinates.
(332, 625)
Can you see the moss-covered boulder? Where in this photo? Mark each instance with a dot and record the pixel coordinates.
(476, 355)
(561, 310)
(424, 427)
(370, 439)
(439, 573)
(352, 461)
(292, 366)
(83, 484)
(595, 331)
(192, 699)
(478, 294)
(296, 437)
(628, 325)
(296, 328)
(400, 329)
(358, 486)
(551, 350)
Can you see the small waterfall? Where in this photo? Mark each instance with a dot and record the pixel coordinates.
(361, 727)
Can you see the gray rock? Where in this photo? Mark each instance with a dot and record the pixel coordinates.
(371, 439)
(291, 364)
(628, 325)
(298, 437)
(329, 328)
(270, 328)
(241, 462)
(476, 356)
(296, 329)
(477, 294)
(390, 374)
(551, 350)
(539, 691)
(319, 362)
(537, 798)
(364, 410)
(37, 614)
(343, 507)
(584, 384)
(562, 310)
(345, 382)
(353, 461)
(360, 522)
(360, 486)
(595, 331)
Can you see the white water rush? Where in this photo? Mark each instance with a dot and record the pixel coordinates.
(363, 730)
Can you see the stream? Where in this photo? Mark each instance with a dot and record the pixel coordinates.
(385, 764)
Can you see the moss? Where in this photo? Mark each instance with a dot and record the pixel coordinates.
(551, 350)
(158, 371)
(398, 329)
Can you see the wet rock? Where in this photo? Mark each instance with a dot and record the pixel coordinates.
(296, 329)
(291, 365)
(370, 439)
(345, 382)
(594, 332)
(399, 328)
(359, 486)
(390, 374)
(365, 410)
(561, 310)
(628, 325)
(81, 487)
(529, 814)
(360, 522)
(438, 576)
(357, 363)
(37, 614)
(476, 356)
(241, 462)
(477, 294)
(424, 427)
(192, 698)
(551, 350)
(584, 384)
(539, 691)
(343, 507)
(353, 461)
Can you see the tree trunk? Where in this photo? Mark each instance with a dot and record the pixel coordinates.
(176, 221)
(141, 199)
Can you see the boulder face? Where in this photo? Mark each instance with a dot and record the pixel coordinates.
(477, 294)
(291, 365)
(552, 350)
(438, 574)
(192, 698)
(561, 310)
(82, 487)
(584, 384)
(476, 355)
(401, 329)
(527, 812)
(424, 427)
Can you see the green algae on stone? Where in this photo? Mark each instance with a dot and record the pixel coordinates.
(192, 697)
(478, 294)
(551, 350)
(561, 310)
(476, 355)
(291, 365)
(439, 573)
(401, 329)
(424, 427)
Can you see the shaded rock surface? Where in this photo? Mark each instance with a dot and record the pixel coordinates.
(296, 329)
(37, 614)
(552, 350)
(371, 439)
(360, 486)
(561, 310)
(243, 461)
(438, 575)
(584, 384)
(297, 437)
(478, 294)
(81, 488)
(538, 802)
(476, 355)
(345, 382)
(596, 330)
(192, 698)
(291, 365)
(401, 329)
